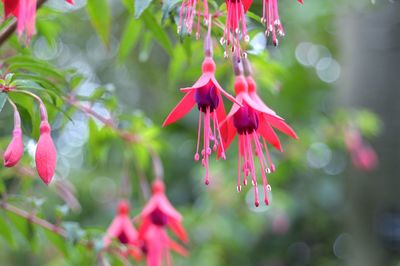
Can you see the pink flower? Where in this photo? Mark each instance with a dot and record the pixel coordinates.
(45, 154)
(362, 154)
(188, 12)
(25, 12)
(235, 26)
(156, 217)
(254, 123)
(15, 149)
(272, 21)
(206, 93)
(122, 229)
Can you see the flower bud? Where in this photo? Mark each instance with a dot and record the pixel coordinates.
(15, 149)
(45, 154)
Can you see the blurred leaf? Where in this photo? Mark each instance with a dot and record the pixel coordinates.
(141, 6)
(129, 38)
(3, 99)
(130, 5)
(158, 32)
(57, 241)
(6, 232)
(100, 16)
(167, 7)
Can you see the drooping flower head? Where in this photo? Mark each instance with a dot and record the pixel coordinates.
(253, 123)
(272, 21)
(362, 154)
(25, 12)
(15, 149)
(46, 155)
(190, 9)
(235, 27)
(207, 94)
(156, 217)
(122, 230)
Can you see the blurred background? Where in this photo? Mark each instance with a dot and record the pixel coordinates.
(334, 78)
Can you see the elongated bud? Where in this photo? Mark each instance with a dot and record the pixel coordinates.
(46, 156)
(15, 149)
(248, 71)
(237, 66)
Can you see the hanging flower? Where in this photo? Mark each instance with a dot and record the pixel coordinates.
(206, 93)
(156, 217)
(25, 12)
(235, 26)
(272, 21)
(122, 229)
(362, 154)
(190, 9)
(15, 149)
(253, 122)
(46, 156)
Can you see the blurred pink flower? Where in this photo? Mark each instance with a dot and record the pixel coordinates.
(156, 217)
(46, 156)
(362, 154)
(122, 229)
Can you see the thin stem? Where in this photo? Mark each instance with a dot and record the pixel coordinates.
(33, 219)
(42, 107)
(17, 118)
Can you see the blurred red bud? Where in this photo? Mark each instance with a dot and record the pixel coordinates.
(46, 156)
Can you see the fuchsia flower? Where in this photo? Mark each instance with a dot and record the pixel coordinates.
(156, 216)
(15, 149)
(25, 12)
(272, 21)
(362, 154)
(206, 93)
(188, 12)
(122, 229)
(235, 26)
(253, 122)
(45, 156)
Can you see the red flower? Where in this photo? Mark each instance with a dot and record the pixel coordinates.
(122, 229)
(25, 12)
(206, 93)
(254, 123)
(235, 26)
(45, 156)
(15, 149)
(156, 216)
(272, 21)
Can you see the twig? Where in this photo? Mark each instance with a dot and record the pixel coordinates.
(33, 219)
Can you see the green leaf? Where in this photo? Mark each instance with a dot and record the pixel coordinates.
(141, 6)
(100, 16)
(57, 241)
(129, 38)
(158, 32)
(130, 5)
(3, 99)
(6, 232)
(167, 7)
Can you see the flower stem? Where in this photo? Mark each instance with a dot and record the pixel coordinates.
(42, 107)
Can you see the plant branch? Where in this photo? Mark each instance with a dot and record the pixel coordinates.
(33, 219)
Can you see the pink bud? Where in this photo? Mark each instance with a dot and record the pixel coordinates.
(15, 149)
(45, 154)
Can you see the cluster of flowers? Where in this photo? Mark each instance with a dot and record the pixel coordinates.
(25, 12)
(249, 118)
(235, 32)
(151, 241)
(45, 156)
